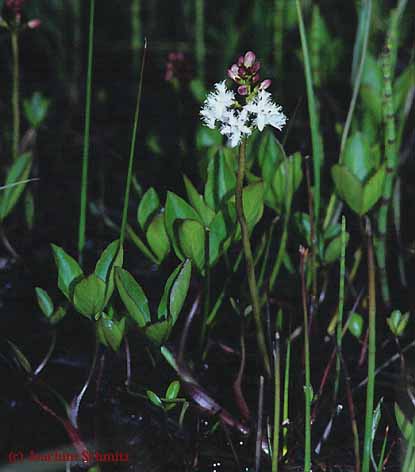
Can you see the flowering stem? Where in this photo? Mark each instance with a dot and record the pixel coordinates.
(250, 267)
(85, 153)
(15, 93)
(132, 147)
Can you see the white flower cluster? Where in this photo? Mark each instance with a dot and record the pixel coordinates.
(234, 122)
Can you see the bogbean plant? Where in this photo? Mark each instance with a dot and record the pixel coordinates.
(248, 176)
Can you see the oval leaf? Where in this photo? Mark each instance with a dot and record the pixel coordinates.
(111, 257)
(68, 270)
(18, 172)
(191, 237)
(179, 290)
(173, 390)
(148, 206)
(89, 296)
(45, 302)
(157, 237)
(133, 297)
(348, 187)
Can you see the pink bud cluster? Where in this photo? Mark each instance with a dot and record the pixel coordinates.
(245, 73)
(15, 6)
(177, 67)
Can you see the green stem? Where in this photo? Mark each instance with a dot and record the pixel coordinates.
(135, 32)
(339, 328)
(200, 48)
(277, 404)
(132, 148)
(285, 406)
(391, 165)
(313, 114)
(15, 93)
(370, 392)
(250, 268)
(307, 387)
(87, 127)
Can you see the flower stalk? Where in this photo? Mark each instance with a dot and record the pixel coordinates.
(14, 34)
(250, 268)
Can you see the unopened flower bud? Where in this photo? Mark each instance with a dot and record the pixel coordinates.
(233, 72)
(240, 60)
(255, 68)
(33, 24)
(265, 84)
(249, 59)
(243, 90)
(241, 71)
(255, 78)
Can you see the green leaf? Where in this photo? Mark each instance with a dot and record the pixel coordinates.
(356, 325)
(179, 290)
(45, 302)
(397, 322)
(206, 214)
(270, 154)
(222, 229)
(333, 249)
(36, 109)
(89, 296)
(404, 424)
(177, 209)
(19, 171)
(21, 358)
(133, 297)
(373, 190)
(253, 203)
(111, 257)
(112, 331)
(173, 390)
(221, 181)
(68, 270)
(371, 87)
(348, 187)
(357, 156)
(157, 237)
(168, 355)
(148, 206)
(172, 301)
(58, 315)
(158, 332)
(191, 236)
(155, 399)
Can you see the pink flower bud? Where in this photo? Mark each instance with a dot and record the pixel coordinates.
(33, 24)
(240, 60)
(233, 72)
(255, 78)
(249, 59)
(241, 71)
(255, 68)
(243, 90)
(265, 84)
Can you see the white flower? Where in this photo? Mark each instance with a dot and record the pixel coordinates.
(266, 111)
(217, 104)
(235, 125)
